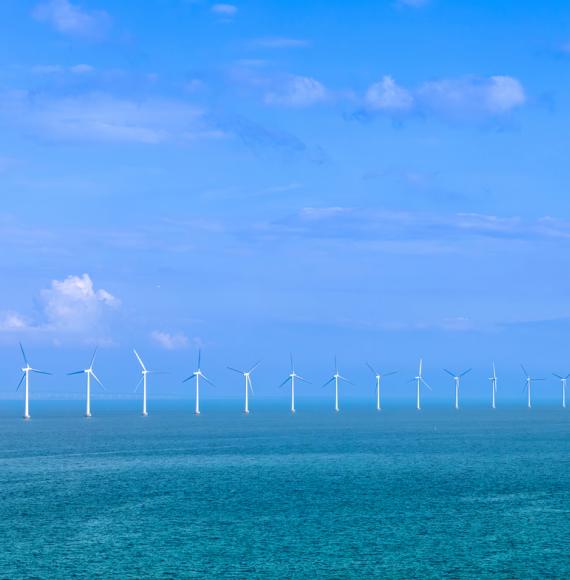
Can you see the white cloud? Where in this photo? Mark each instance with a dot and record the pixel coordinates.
(298, 91)
(504, 93)
(280, 42)
(472, 96)
(73, 20)
(227, 10)
(386, 95)
(170, 341)
(72, 306)
(463, 98)
(53, 69)
(12, 321)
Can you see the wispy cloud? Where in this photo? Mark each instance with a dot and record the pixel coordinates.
(106, 118)
(421, 228)
(412, 3)
(280, 42)
(170, 341)
(297, 91)
(225, 10)
(73, 20)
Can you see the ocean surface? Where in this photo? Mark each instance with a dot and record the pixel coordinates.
(397, 494)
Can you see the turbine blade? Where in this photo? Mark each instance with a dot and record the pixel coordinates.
(93, 357)
(328, 382)
(465, 372)
(284, 382)
(138, 385)
(190, 377)
(199, 357)
(249, 383)
(335, 365)
(21, 381)
(389, 374)
(372, 369)
(424, 383)
(292, 365)
(40, 372)
(254, 367)
(524, 371)
(345, 380)
(421, 365)
(24, 355)
(236, 370)
(449, 373)
(97, 379)
(75, 373)
(139, 359)
(558, 376)
(208, 380)
(303, 379)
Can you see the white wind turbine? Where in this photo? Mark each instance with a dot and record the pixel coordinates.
(89, 373)
(248, 385)
(143, 380)
(493, 380)
(337, 377)
(198, 374)
(27, 370)
(564, 381)
(379, 377)
(419, 379)
(457, 379)
(292, 377)
(528, 386)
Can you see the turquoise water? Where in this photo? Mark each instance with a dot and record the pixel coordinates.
(400, 494)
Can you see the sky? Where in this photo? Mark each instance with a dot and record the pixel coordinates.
(381, 180)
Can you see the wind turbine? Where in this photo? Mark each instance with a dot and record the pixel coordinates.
(528, 386)
(337, 377)
(198, 374)
(248, 385)
(419, 382)
(142, 380)
(89, 372)
(27, 370)
(493, 380)
(379, 377)
(457, 379)
(563, 380)
(292, 376)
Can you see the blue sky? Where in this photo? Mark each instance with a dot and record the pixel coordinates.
(382, 180)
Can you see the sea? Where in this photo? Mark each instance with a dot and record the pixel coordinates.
(440, 493)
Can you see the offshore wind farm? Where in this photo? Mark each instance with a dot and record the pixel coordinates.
(285, 289)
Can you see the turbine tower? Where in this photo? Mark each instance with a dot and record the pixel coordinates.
(564, 381)
(419, 379)
(379, 377)
(198, 374)
(143, 380)
(457, 379)
(26, 375)
(528, 387)
(493, 380)
(337, 377)
(292, 377)
(89, 373)
(248, 385)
